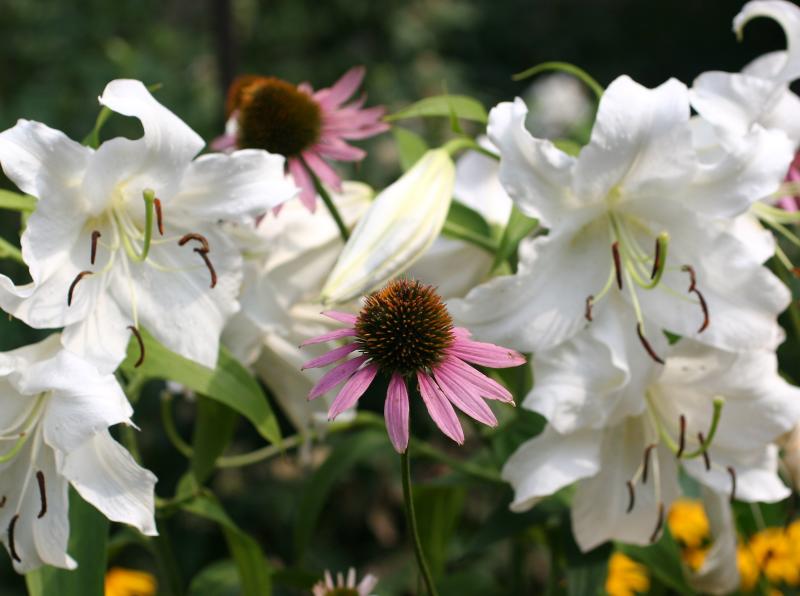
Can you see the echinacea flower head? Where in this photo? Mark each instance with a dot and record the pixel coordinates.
(129, 582)
(626, 577)
(128, 235)
(405, 332)
(56, 411)
(309, 128)
(344, 586)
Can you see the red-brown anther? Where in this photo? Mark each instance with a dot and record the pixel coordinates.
(681, 437)
(589, 304)
(796, 271)
(706, 457)
(95, 237)
(3, 501)
(42, 494)
(631, 497)
(692, 278)
(11, 546)
(617, 263)
(159, 219)
(74, 283)
(197, 237)
(732, 473)
(656, 260)
(693, 290)
(140, 341)
(646, 464)
(204, 255)
(648, 348)
(659, 523)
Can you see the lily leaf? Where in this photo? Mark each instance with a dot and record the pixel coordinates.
(519, 225)
(445, 106)
(410, 146)
(230, 383)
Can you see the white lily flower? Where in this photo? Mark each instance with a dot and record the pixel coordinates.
(287, 259)
(719, 573)
(56, 410)
(128, 235)
(638, 188)
(400, 225)
(718, 413)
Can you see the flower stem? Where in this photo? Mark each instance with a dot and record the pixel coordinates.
(566, 67)
(326, 198)
(411, 519)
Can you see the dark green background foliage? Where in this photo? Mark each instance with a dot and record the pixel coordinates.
(57, 55)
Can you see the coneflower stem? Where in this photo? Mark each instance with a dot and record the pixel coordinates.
(326, 198)
(411, 521)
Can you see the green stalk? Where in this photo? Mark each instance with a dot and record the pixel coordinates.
(411, 519)
(326, 198)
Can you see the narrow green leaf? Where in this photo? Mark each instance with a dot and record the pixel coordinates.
(87, 545)
(444, 106)
(221, 578)
(346, 454)
(213, 430)
(566, 67)
(15, 201)
(585, 572)
(251, 563)
(519, 225)
(230, 383)
(438, 509)
(464, 223)
(410, 146)
(663, 560)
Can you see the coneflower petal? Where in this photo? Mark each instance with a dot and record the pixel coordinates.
(352, 390)
(439, 408)
(395, 411)
(330, 357)
(464, 397)
(335, 376)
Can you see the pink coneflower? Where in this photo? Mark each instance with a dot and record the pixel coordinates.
(301, 124)
(405, 332)
(344, 587)
(792, 202)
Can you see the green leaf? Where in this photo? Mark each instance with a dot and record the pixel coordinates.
(568, 146)
(230, 383)
(220, 579)
(586, 572)
(663, 560)
(464, 223)
(519, 225)
(15, 201)
(213, 430)
(443, 106)
(438, 509)
(346, 454)
(410, 146)
(87, 545)
(251, 563)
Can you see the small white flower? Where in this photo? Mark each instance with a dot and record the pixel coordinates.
(94, 271)
(628, 468)
(54, 418)
(397, 229)
(638, 188)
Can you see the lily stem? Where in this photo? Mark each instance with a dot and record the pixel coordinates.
(411, 520)
(326, 198)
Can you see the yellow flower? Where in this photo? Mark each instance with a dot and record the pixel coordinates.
(626, 577)
(748, 567)
(688, 523)
(694, 557)
(128, 582)
(776, 556)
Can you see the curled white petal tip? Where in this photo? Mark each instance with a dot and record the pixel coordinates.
(396, 230)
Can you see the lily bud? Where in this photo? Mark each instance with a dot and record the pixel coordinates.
(396, 230)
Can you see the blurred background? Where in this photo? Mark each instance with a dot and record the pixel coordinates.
(57, 55)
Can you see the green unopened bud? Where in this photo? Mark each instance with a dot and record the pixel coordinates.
(396, 230)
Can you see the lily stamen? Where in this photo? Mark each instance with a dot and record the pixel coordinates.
(95, 237)
(659, 523)
(617, 263)
(74, 283)
(11, 546)
(202, 251)
(204, 255)
(706, 457)
(3, 502)
(732, 473)
(631, 496)
(646, 461)
(588, 312)
(693, 289)
(648, 348)
(712, 431)
(42, 493)
(139, 339)
(681, 437)
(159, 218)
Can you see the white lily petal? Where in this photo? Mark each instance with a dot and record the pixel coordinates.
(534, 172)
(478, 184)
(106, 475)
(787, 15)
(230, 187)
(550, 462)
(453, 266)
(399, 226)
(640, 142)
(719, 573)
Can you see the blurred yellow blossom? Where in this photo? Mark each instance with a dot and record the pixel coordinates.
(129, 582)
(626, 577)
(688, 523)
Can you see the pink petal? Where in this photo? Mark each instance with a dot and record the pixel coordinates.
(485, 354)
(339, 150)
(331, 335)
(223, 143)
(486, 387)
(329, 357)
(395, 411)
(463, 397)
(335, 376)
(308, 194)
(323, 170)
(440, 408)
(342, 317)
(343, 88)
(352, 390)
